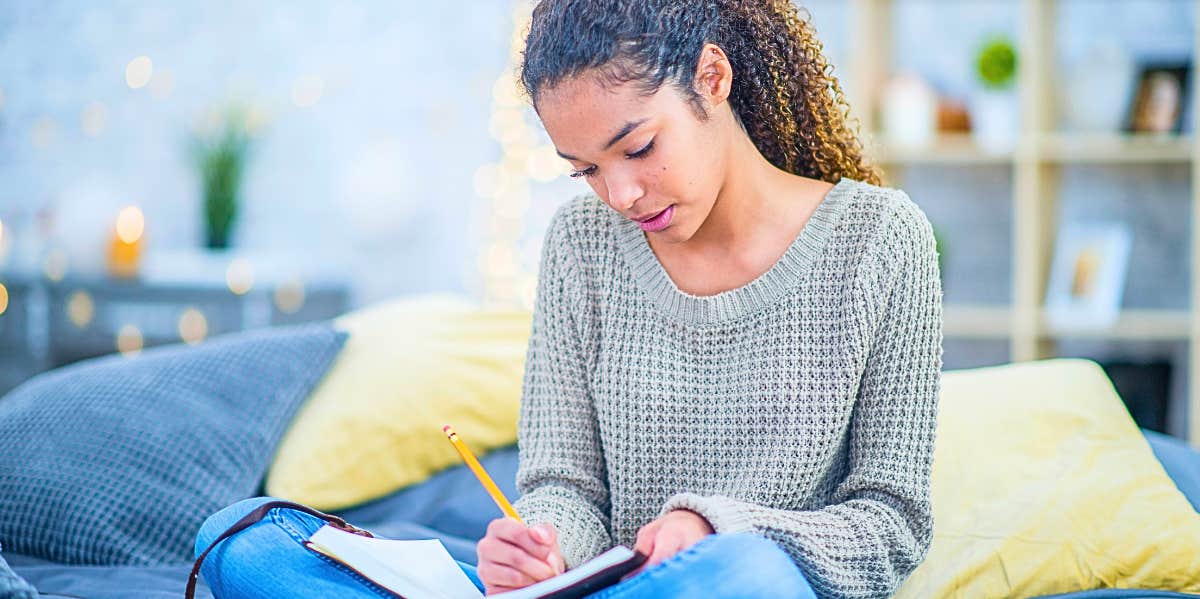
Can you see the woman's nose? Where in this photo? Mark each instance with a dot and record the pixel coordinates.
(623, 193)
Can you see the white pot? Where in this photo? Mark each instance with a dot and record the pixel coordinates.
(995, 123)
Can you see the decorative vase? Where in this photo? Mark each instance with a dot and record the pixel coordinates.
(909, 111)
(1098, 89)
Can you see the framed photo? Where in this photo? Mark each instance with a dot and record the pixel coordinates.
(1087, 277)
(1160, 97)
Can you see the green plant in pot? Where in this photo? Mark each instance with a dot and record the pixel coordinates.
(995, 122)
(220, 157)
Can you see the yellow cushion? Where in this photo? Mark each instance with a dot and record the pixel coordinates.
(1042, 484)
(374, 424)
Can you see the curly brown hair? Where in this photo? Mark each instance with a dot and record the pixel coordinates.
(784, 92)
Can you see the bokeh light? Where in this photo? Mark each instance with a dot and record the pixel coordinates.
(81, 309)
(193, 326)
(162, 85)
(131, 223)
(138, 72)
(307, 90)
(545, 165)
(3, 298)
(94, 119)
(55, 266)
(43, 133)
(289, 297)
(240, 276)
(129, 340)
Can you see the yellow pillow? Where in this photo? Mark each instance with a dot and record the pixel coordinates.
(1042, 484)
(374, 423)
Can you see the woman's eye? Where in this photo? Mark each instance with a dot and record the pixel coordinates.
(587, 172)
(642, 153)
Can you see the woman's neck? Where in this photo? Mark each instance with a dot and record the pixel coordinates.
(756, 203)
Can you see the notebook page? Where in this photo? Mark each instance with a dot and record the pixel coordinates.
(416, 569)
(607, 559)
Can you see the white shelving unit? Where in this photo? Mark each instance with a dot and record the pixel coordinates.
(1036, 164)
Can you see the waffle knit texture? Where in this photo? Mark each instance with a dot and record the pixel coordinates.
(800, 406)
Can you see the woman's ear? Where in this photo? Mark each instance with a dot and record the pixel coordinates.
(714, 75)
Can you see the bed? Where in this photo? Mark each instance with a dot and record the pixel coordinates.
(451, 506)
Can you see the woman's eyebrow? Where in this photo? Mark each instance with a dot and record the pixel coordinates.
(630, 126)
(626, 130)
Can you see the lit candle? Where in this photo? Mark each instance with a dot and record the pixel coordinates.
(126, 247)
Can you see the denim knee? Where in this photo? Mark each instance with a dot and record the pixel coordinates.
(222, 519)
(759, 561)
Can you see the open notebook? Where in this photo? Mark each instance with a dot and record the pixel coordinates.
(424, 569)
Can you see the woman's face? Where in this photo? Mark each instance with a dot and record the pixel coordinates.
(643, 155)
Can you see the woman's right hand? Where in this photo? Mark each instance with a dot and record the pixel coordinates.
(514, 556)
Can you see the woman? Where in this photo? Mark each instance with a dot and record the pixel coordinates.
(739, 332)
(736, 349)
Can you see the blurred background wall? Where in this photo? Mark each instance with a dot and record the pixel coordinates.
(389, 156)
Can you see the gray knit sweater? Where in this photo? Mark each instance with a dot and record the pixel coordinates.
(800, 406)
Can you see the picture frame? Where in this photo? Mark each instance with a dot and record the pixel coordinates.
(1087, 276)
(1160, 98)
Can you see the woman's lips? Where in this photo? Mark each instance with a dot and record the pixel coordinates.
(659, 221)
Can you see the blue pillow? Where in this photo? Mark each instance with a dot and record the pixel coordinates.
(118, 460)
(13, 586)
(1181, 462)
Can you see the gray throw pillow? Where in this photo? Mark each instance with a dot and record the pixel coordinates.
(118, 460)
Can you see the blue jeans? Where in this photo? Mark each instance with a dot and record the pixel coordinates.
(269, 560)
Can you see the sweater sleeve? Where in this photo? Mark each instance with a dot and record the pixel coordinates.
(879, 524)
(561, 477)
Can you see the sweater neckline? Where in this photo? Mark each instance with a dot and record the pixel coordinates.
(731, 304)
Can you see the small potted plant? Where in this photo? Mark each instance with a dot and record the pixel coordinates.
(220, 154)
(995, 123)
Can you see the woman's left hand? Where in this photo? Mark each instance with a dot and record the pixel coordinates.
(670, 534)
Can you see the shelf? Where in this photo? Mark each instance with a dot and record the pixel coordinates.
(1133, 325)
(946, 148)
(960, 149)
(977, 322)
(1116, 148)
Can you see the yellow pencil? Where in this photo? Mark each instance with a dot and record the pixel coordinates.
(481, 474)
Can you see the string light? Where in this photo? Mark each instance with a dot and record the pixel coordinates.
(81, 309)
(3, 298)
(138, 72)
(129, 340)
(507, 182)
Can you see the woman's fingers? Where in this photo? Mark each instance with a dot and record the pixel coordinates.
(518, 534)
(510, 556)
(665, 545)
(496, 575)
(645, 537)
(515, 557)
